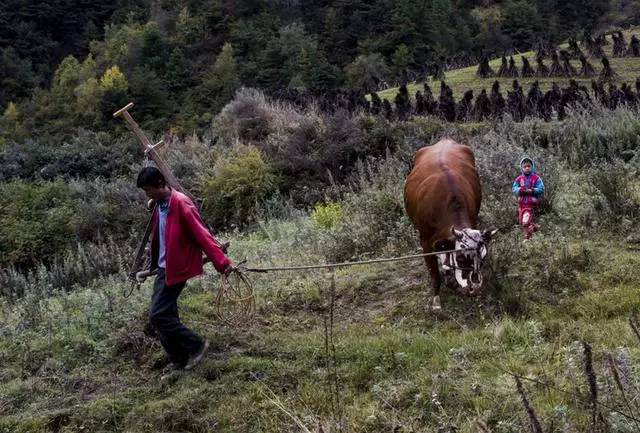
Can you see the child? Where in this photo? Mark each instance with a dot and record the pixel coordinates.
(528, 188)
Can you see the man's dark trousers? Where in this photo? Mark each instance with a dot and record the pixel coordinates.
(178, 341)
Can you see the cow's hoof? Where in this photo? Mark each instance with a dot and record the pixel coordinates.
(435, 304)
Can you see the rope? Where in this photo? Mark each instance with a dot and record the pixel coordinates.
(346, 264)
(235, 301)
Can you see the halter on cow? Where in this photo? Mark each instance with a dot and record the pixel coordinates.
(442, 199)
(465, 265)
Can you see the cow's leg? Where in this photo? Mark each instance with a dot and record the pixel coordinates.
(436, 281)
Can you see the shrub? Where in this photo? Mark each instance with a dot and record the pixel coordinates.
(327, 215)
(617, 185)
(519, 284)
(187, 158)
(497, 165)
(42, 220)
(577, 203)
(249, 117)
(584, 137)
(237, 182)
(309, 149)
(106, 208)
(85, 155)
(374, 219)
(36, 222)
(74, 267)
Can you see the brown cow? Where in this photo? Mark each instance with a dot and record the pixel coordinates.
(442, 197)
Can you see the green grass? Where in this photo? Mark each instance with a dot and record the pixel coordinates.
(461, 80)
(73, 363)
(80, 361)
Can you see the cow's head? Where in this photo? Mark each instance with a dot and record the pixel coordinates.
(465, 265)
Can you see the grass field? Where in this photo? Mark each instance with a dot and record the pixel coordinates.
(461, 80)
(80, 362)
(361, 353)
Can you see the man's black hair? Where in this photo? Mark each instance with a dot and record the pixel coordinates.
(151, 176)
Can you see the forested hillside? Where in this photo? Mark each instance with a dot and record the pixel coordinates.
(69, 64)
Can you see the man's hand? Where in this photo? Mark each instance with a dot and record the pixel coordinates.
(530, 191)
(228, 270)
(523, 190)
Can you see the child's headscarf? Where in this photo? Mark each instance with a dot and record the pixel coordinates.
(530, 160)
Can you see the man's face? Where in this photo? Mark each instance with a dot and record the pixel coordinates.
(154, 192)
(526, 167)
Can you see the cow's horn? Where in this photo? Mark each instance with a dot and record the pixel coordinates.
(456, 233)
(490, 233)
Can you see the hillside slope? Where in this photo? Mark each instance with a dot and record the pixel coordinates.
(363, 354)
(461, 80)
(80, 362)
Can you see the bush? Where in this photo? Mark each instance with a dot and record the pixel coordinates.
(43, 220)
(618, 186)
(584, 137)
(236, 184)
(309, 149)
(248, 118)
(580, 161)
(71, 268)
(85, 155)
(520, 283)
(373, 219)
(107, 208)
(36, 222)
(327, 215)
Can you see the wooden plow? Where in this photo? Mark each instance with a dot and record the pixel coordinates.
(233, 289)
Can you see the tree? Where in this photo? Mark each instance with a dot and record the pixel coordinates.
(155, 51)
(365, 71)
(17, 77)
(521, 23)
(188, 28)
(70, 74)
(114, 92)
(220, 83)
(87, 99)
(150, 94)
(579, 14)
(335, 38)
(488, 21)
(402, 58)
(442, 32)
(177, 77)
(9, 124)
(41, 33)
(318, 75)
(293, 54)
(270, 74)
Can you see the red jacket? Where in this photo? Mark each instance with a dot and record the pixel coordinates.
(532, 182)
(186, 237)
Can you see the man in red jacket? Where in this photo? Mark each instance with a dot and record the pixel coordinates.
(178, 238)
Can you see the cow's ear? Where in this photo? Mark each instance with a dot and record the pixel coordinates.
(443, 245)
(487, 235)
